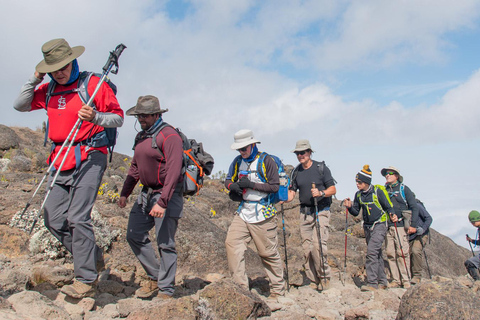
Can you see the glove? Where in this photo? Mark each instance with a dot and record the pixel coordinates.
(244, 183)
(234, 187)
(420, 231)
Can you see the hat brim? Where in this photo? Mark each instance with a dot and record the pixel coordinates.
(384, 173)
(133, 112)
(302, 149)
(43, 67)
(239, 145)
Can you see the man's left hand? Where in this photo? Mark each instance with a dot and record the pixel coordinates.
(86, 113)
(157, 211)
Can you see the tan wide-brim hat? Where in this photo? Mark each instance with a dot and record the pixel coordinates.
(146, 105)
(57, 53)
(384, 172)
(243, 138)
(302, 145)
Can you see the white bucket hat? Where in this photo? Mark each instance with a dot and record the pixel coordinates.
(243, 138)
(303, 145)
(384, 172)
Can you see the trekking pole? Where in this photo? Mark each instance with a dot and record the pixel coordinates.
(401, 249)
(470, 244)
(48, 170)
(346, 233)
(111, 62)
(426, 260)
(317, 225)
(285, 244)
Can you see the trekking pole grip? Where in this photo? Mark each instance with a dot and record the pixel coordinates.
(113, 59)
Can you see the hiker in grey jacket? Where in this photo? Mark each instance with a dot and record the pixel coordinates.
(404, 203)
(307, 172)
(418, 241)
(375, 208)
(473, 264)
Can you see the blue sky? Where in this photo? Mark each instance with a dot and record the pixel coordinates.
(367, 82)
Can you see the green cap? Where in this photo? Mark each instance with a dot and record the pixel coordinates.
(474, 216)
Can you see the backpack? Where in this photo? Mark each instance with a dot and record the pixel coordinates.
(375, 200)
(108, 137)
(282, 193)
(196, 162)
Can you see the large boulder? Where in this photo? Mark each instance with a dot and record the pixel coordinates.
(8, 138)
(439, 300)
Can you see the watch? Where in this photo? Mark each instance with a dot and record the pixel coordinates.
(322, 193)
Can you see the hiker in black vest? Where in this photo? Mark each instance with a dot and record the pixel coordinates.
(375, 207)
(418, 241)
(473, 264)
(303, 176)
(160, 203)
(396, 241)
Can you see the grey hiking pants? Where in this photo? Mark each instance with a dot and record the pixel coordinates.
(68, 213)
(374, 261)
(140, 223)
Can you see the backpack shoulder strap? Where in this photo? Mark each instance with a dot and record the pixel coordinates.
(82, 86)
(261, 170)
(236, 168)
(155, 134)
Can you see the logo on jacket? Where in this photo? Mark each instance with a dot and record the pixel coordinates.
(61, 102)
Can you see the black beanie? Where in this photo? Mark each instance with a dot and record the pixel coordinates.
(365, 175)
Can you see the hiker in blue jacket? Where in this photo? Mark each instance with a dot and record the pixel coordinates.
(376, 208)
(418, 241)
(473, 263)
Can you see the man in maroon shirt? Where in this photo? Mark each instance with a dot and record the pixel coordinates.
(160, 204)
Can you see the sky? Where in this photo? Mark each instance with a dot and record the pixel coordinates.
(384, 83)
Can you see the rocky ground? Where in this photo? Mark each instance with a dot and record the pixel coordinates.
(34, 268)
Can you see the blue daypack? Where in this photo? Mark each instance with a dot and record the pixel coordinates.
(282, 193)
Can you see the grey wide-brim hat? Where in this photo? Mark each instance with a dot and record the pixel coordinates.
(243, 138)
(57, 53)
(303, 145)
(146, 105)
(384, 172)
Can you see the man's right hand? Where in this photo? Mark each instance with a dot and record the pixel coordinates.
(235, 188)
(39, 75)
(347, 202)
(122, 202)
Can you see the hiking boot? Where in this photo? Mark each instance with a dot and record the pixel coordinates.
(367, 288)
(100, 264)
(80, 290)
(323, 285)
(416, 280)
(406, 285)
(162, 296)
(383, 286)
(394, 284)
(148, 290)
(274, 297)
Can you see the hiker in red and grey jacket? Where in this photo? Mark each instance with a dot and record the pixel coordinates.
(404, 203)
(160, 204)
(68, 208)
(473, 264)
(375, 209)
(254, 220)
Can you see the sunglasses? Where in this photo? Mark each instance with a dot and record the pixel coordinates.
(390, 173)
(300, 153)
(142, 116)
(242, 149)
